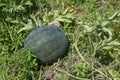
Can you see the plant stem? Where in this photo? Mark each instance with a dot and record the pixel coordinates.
(76, 47)
(78, 78)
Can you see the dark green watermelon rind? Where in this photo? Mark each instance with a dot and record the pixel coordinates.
(55, 53)
(43, 41)
(43, 29)
(52, 36)
(35, 35)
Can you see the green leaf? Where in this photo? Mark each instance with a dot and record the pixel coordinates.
(36, 21)
(12, 21)
(26, 26)
(20, 8)
(114, 43)
(2, 4)
(63, 19)
(109, 32)
(66, 10)
(28, 3)
(107, 47)
(55, 23)
(105, 23)
(87, 28)
(113, 16)
(69, 15)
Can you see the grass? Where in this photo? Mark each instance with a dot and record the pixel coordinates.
(93, 30)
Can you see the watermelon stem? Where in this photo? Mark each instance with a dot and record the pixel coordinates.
(78, 78)
(76, 47)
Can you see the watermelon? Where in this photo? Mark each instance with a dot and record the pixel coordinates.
(48, 43)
